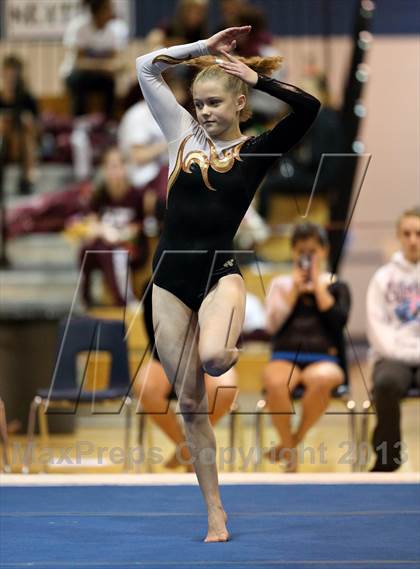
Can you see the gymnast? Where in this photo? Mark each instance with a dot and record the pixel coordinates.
(198, 290)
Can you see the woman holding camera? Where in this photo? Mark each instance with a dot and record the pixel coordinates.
(306, 315)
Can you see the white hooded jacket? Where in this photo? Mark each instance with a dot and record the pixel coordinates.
(393, 311)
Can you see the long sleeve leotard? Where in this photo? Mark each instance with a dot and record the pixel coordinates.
(211, 182)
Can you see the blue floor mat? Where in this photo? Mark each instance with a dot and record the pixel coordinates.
(341, 526)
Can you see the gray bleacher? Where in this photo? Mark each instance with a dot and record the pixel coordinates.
(43, 271)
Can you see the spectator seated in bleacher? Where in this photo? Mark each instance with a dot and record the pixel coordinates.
(259, 41)
(189, 24)
(229, 10)
(306, 314)
(112, 231)
(19, 127)
(48, 212)
(153, 390)
(393, 320)
(142, 143)
(94, 41)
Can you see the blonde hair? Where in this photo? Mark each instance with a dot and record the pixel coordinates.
(210, 70)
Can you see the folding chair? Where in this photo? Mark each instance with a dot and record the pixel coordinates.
(6, 467)
(83, 334)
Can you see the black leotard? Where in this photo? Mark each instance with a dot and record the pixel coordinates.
(146, 296)
(212, 182)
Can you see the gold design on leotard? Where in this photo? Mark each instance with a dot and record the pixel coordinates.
(200, 158)
(169, 60)
(177, 167)
(219, 164)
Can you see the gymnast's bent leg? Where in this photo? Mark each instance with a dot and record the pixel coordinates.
(221, 317)
(176, 332)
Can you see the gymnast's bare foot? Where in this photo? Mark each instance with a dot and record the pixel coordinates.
(217, 530)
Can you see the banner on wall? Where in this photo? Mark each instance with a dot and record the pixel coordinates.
(47, 19)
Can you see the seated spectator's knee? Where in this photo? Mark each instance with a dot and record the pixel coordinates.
(148, 395)
(327, 384)
(223, 395)
(385, 383)
(154, 402)
(321, 389)
(275, 382)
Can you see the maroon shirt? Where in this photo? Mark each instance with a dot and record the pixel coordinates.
(118, 213)
(121, 213)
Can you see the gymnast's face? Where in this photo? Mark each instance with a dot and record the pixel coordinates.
(218, 109)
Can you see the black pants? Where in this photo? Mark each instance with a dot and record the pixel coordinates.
(81, 83)
(391, 381)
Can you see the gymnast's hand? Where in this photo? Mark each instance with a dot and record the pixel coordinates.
(226, 39)
(234, 66)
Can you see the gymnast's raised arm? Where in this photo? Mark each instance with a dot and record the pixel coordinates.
(172, 118)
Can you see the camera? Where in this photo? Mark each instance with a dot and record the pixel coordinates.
(305, 262)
